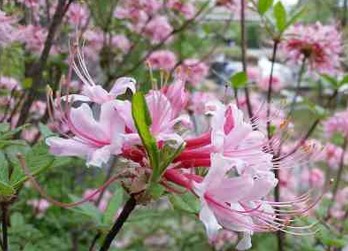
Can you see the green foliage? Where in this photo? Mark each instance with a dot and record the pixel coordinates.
(186, 202)
(280, 16)
(239, 80)
(264, 5)
(142, 121)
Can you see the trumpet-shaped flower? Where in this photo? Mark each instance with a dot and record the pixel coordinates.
(94, 139)
(234, 202)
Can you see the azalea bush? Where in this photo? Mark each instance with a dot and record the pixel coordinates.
(152, 125)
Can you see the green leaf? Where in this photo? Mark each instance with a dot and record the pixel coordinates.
(6, 189)
(38, 160)
(45, 131)
(142, 122)
(168, 154)
(4, 127)
(114, 204)
(264, 5)
(239, 80)
(87, 209)
(344, 80)
(279, 13)
(329, 79)
(4, 168)
(186, 202)
(156, 190)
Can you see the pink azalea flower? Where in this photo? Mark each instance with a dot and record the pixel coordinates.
(332, 155)
(158, 29)
(163, 117)
(9, 83)
(121, 42)
(38, 108)
(193, 71)
(186, 8)
(338, 123)
(77, 15)
(34, 38)
(96, 140)
(198, 101)
(320, 44)
(32, 4)
(104, 200)
(240, 208)
(39, 205)
(95, 93)
(235, 138)
(162, 60)
(177, 95)
(263, 84)
(7, 29)
(314, 177)
(30, 134)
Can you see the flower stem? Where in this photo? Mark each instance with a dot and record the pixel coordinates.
(244, 58)
(298, 85)
(127, 209)
(338, 177)
(269, 92)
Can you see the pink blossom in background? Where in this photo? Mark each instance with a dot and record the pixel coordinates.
(38, 108)
(158, 29)
(198, 101)
(232, 5)
(338, 123)
(9, 83)
(253, 74)
(224, 238)
(332, 155)
(30, 134)
(94, 43)
(32, 4)
(186, 8)
(193, 71)
(263, 84)
(7, 30)
(39, 205)
(338, 210)
(162, 60)
(121, 42)
(103, 201)
(320, 44)
(34, 38)
(77, 15)
(313, 177)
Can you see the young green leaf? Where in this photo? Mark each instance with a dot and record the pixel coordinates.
(142, 121)
(239, 80)
(280, 16)
(6, 189)
(264, 5)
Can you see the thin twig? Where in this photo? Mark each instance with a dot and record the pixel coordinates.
(244, 58)
(4, 209)
(269, 92)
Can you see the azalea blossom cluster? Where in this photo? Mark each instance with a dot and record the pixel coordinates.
(237, 161)
(320, 45)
